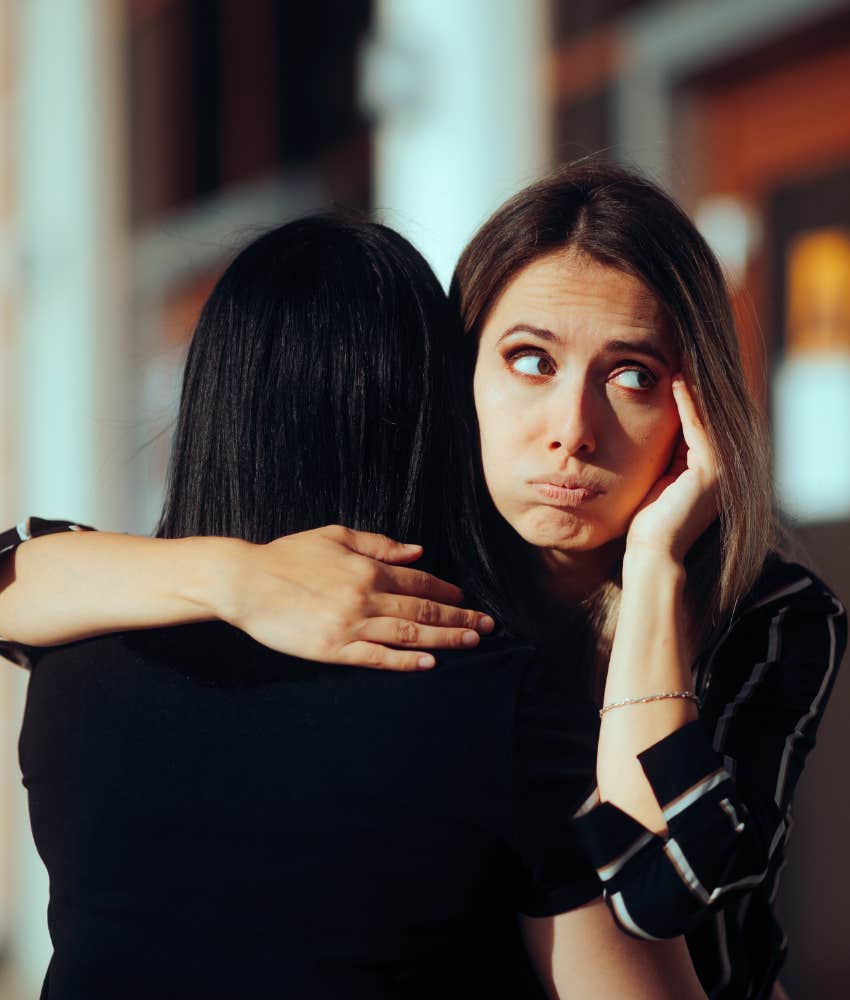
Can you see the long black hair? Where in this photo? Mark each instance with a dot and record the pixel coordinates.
(319, 388)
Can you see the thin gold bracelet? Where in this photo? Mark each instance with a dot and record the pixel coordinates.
(687, 695)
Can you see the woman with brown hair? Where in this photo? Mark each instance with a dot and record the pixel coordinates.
(625, 495)
(620, 442)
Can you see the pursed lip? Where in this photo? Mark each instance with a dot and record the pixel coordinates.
(565, 492)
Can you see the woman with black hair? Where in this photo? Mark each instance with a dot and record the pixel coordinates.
(219, 820)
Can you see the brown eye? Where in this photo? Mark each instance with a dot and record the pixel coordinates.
(540, 365)
(635, 378)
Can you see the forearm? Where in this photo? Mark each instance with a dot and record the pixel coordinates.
(649, 655)
(77, 584)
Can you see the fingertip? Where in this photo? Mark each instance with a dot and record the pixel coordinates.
(486, 624)
(425, 662)
(470, 638)
(403, 553)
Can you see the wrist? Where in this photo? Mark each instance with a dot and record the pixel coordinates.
(209, 580)
(655, 567)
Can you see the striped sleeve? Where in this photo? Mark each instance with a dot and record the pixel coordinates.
(10, 539)
(725, 781)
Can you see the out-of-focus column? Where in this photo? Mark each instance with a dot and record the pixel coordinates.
(71, 351)
(72, 236)
(463, 114)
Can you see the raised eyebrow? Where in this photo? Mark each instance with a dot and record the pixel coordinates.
(639, 347)
(538, 331)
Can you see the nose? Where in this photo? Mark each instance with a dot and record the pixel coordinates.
(572, 424)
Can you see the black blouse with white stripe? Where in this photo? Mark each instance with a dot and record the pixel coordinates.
(724, 782)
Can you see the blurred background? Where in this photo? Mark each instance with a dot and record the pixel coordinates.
(142, 141)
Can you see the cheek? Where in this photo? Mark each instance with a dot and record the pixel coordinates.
(493, 407)
(655, 438)
(502, 429)
(646, 437)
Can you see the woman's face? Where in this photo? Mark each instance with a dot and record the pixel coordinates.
(575, 407)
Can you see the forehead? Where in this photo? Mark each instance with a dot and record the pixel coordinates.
(571, 293)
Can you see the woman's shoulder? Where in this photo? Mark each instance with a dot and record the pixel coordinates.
(789, 617)
(784, 584)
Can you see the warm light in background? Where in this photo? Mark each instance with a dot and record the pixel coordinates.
(811, 410)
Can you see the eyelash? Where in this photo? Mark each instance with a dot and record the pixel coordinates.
(634, 366)
(526, 352)
(625, 366)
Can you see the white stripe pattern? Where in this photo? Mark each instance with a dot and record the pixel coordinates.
(688, 797)
(752, 682)
(589, 803)
(618, 904)
(683, 869)
(729, 809)
(792, 588)
(797, 732)
(607, 872)
(704, 680)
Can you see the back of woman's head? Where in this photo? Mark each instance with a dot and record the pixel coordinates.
(317, 390)
(623, 221)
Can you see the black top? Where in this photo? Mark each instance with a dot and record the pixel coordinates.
(221, 821)
(725, 784)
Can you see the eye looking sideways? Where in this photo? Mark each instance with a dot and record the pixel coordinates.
(535, 363)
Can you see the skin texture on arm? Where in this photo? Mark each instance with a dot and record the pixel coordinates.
(330, 594)
(649, 656)
(73, 585)
(583, 954)
(650, 653)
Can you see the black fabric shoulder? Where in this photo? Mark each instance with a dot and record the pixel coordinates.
(330, 832)
(10, 539)
(35, 527)
(781, 580)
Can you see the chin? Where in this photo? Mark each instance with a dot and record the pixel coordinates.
(561, 530)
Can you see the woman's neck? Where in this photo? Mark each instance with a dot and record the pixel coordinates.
(569, 578)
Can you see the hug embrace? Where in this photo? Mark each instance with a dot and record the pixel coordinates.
(540, 510)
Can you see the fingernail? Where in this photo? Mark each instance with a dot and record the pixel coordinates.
(470, 638)
(425, 662)
(411, 545)
(486, 624)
